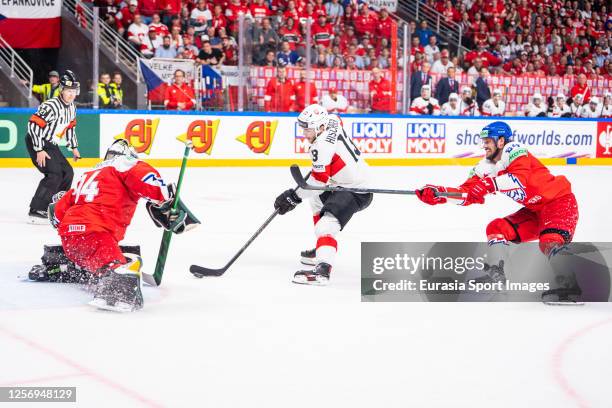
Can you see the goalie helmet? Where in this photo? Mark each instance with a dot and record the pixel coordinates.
(120, 147)
(313, 117)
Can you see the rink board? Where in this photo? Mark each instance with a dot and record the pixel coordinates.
(261, 139)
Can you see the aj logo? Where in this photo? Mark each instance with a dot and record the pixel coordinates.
(202, 134)
(259, 136)
(140, 133)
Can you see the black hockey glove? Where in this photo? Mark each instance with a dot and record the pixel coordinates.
(541, 114)
(287, 201)
(430, 108)
(566, 115)
(569, 101)
(468, 101)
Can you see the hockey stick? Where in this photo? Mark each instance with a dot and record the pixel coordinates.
(200, 271)
(167, 237)
(301, 182)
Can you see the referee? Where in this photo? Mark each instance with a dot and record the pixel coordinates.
(54, 120)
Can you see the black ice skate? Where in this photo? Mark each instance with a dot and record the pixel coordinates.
(38, 217)
(563, 296)
(309, 257)
(318, 276)
(119, 290)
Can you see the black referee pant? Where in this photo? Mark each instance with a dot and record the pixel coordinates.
(57, 171)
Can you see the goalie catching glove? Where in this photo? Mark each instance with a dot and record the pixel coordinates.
(178, 222)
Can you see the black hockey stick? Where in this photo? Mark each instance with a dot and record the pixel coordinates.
(301, 182)
(200, 271)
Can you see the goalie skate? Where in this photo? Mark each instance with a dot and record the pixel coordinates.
(119, 289)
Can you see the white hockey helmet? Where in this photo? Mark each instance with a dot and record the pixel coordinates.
(120, 147)
(497, 92)
(560, 95)
(466, 89)
(594, 100)
(537, 95)
(313, 117)
(453, 97)
(426, 89)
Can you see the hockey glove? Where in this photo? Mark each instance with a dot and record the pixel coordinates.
(178, 222)
(479, 188)
(286, 202)
(430, 108)
(429, 194)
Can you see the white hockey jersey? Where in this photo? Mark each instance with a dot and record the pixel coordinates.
(558, 112)
(468, 110)
(490, 109)
(448, 110)
(532, 110)
(575, 109)
(336, 161)
(586, 112)
(420, 106)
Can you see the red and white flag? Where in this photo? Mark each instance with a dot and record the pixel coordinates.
(31, 23)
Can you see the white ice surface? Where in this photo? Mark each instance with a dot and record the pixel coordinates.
(253, 339)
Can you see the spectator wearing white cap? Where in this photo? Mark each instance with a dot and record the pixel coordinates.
(536, 107)
(606, 111)
(425, 104)
(593, 109)
(452, 107)
(494, 106)
(560, 109)
(334, 102)
(467, 105)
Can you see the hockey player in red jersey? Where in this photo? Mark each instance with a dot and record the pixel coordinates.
(337, 162)
(550, 210)
(92, 218)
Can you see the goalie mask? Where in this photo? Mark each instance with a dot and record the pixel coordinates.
(120, 147)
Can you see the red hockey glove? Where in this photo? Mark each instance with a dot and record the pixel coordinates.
(429, 194)
(479, 188)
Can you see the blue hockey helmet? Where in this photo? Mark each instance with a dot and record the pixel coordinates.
(495, 130)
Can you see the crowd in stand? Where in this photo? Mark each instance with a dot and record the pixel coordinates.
(511, 37)
(345, 34)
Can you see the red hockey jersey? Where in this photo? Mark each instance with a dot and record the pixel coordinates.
(105, 198)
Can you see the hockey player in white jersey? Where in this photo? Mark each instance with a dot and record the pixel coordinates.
(494, 106)
(576, 105)
(451, 108)
(468, 104)
(560, 108)
(592, 109)
(425, 104)
(606, 111)
(536, 107)
(336, 161)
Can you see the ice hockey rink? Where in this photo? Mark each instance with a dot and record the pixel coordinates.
(251, 338)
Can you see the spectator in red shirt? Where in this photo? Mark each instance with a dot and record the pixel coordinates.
(233, 11)
(365, 21)
(218, 20)
(300, 93)
(280, 93)
(384, 25)
(170, 8)
(322, 32)
(380, 93)
(582, 88)
(179, 95)
(290, 33)
(125, 17)
(259, 10)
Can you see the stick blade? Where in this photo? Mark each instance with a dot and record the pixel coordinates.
(200, 271)
(149, 279)
(297, 176)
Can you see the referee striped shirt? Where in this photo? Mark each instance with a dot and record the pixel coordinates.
(53, 121)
